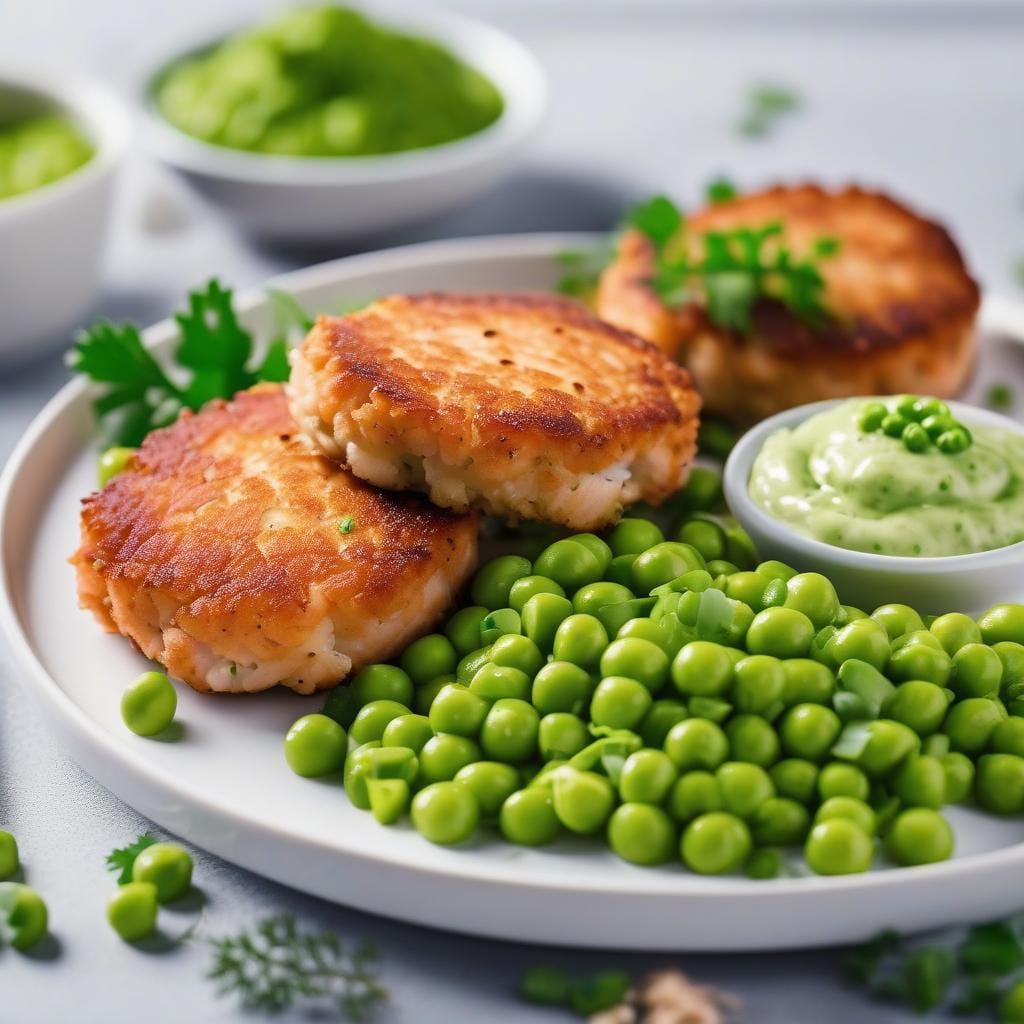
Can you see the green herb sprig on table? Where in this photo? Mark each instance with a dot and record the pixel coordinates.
(735, 268)
(122, 860)
(277, 965)
(767, 104)
(213, 359)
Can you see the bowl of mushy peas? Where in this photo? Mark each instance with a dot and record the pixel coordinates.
(901, 498)
(331, 122)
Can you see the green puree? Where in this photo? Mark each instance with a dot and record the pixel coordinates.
(325, 81)
(37, 150)
(830, 480)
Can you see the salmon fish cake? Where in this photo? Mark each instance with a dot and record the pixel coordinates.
(525, 406)
(902, 301)
(240, 560)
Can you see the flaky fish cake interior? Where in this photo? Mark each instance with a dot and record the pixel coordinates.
(239, 559)
(526, 406)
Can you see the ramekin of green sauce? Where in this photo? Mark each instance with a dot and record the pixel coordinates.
(889, 516)
(330, 122)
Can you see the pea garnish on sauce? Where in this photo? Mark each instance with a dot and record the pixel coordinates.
(326, 82)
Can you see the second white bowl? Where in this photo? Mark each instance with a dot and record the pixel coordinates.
(969, 583)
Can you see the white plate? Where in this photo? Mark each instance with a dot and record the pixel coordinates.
(224, 785)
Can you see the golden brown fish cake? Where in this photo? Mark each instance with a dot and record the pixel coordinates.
(221, 553)
(527, 406)
(903, 301)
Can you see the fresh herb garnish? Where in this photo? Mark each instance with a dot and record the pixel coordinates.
(721, 190)
(1000, 397)
(582, 269)
(122, 860)
(767, 104)
(735, 269)
(346, 524)
(213, 355)
(277, 965)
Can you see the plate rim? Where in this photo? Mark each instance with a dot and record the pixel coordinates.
(998, 315)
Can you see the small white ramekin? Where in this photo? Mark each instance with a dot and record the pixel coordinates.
(968, 583)
(52, 238)
(320, 199)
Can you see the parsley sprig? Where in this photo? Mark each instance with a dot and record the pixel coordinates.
(122, 860)
(767, 103)
(278, 965)
(213, 359)
(733, 269)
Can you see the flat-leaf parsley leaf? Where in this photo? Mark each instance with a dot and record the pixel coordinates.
(122, 860)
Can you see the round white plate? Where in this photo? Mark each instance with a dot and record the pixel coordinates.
(224, 784)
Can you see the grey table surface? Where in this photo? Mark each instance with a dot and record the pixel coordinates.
(922, 99)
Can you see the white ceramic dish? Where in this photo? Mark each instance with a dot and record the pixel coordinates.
(332, 198)
(225, 785)
(51, 239)
(934, 585)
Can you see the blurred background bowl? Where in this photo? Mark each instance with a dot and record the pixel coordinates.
(52, 237)
(319, 199)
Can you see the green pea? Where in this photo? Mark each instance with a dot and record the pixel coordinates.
(969, 723)
(638, 659)
(112, 462)
(807, 682)
(999, 784)
(763, 864)
(642, 834)
(952, 442)
(795, 778)
(915, 438)
(919, 836)
(25, 914)
(703, 488)
(373, 718)
(583, 801)
(743, 787)
(570, 563)
(491, 783)
(132, 910)
(838, 779)
(587, 600)
(458, 710)
(382, 682)
(694, 794)
(493, 582)
(632, 536)
(662, 564)
(509, 731)
(809, 730)
(166, 866)
(954, 631)
(429, 657)
(977, 671)
(848, 613)
(445, 813)
(315, 746)
(469, 665)
(660, 717)
(921, 782)
(878, 746)
(715, 843)
(937, 425)
(9, 861)
(528, 817)
(871, 416)
(814, 595)
(501, 622)
(620, 570)
(580, 639)
(542, 615)
(897, 619)
(517, 652)
(426, 693)
(1006, 738)
(647, 777)
(148, 705)
(696, 743)
(838, 846)
(739, 548)
(920, 661)
(893, 425)
(959, 777)
(702, 669)
(863, 639)
(389, 799)
(561, 686)
(780, 821)
(444, 755)
(780, 632)
(561, 735)
(493, 682)
(1011, 1008)
(341, 705)
(410, 731)
(529, 586)
(748, 587)
(619, 702)
(1012, 657)
(758, 682)
(706, 536)
(774, 595)
(596, 546)
(918, 704)
(719, 567)
(752, 739)
(463, 629)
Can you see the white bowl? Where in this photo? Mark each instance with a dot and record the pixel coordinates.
(51, 239)
(968, 583)
(288, 198)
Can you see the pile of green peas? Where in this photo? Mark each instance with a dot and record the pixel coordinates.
(919, 422)
(685, 702)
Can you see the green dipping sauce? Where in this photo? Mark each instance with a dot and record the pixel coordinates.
(326, 82)
(830, 480)
(37, 150)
